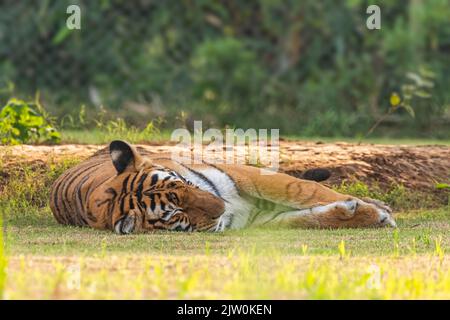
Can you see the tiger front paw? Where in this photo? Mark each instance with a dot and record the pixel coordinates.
(127, 224)
(378, 210)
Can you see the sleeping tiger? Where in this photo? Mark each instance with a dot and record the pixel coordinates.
(129, 191)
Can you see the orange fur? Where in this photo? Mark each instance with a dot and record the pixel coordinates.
(118, 191)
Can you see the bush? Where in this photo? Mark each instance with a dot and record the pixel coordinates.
(225, 73)
(23, 122)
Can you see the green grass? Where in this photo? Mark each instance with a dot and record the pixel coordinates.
(413, 262)
(380, 140)
(38, 234)
(396, 195)
(98, 136)
(3, 260)
(47, 260)
(103, 136)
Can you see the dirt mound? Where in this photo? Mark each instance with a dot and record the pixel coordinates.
(416, 167)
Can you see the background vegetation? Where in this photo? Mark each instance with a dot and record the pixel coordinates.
(309, 67)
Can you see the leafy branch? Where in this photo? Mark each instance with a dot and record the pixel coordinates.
(420, 85)
(24, 122)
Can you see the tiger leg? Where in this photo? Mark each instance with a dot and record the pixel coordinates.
(352, 213)
(329, 209)
(281, 188)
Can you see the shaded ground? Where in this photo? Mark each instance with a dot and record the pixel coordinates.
(416, 167)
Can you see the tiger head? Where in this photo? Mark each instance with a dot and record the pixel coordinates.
(151, 197)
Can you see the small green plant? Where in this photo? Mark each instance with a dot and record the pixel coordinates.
(26, 122)
(439, 252)
(343, 254)
(75, 122)
(118, 128)
(396, 241)
(304, 249)
(207, 248)
(413, 247)
(444, 186)
(418, 85)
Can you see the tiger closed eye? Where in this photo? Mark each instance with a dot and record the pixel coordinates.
(172, 197)
(172, 185)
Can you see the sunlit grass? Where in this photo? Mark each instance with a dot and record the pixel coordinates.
(235, 275)
(51, 261)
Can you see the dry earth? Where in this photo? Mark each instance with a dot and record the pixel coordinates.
(418, 168)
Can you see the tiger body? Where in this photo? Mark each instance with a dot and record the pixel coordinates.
(127, 191)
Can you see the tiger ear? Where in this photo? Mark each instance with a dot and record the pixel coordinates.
(125, 157)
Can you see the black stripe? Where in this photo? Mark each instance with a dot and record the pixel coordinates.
(78, 190)
(204, 178)
(140, 188)
(140, 207)
(123, 194)
(111, 204)
(200, 175)
(131, 203)
(79, 204)
(229, 177)
(61, 218)
(84, 180)
(125, 184)
(67, 183)
(152, 202)
(91, 190)
(62, 182)
(122, 206)
(123, 191)
(154, 179)
(132, 181)
(91, 217)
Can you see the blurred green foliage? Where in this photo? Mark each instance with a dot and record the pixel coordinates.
(307, 67)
